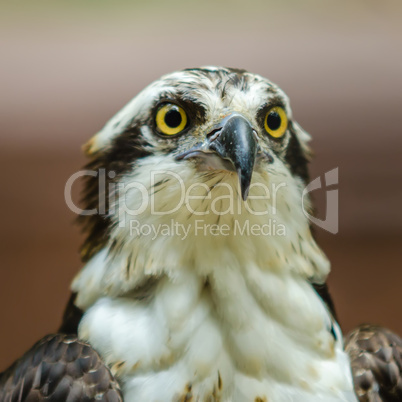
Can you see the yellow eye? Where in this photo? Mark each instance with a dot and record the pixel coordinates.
(276, 122)
(171, 119)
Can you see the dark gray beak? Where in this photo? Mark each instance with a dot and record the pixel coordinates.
(235, 141)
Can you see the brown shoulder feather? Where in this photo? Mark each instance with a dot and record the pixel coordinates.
(59, 368)
(376, 360)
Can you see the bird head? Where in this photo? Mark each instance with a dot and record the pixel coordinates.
(208, 129)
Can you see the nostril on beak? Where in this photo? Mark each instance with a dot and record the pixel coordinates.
(213, 135)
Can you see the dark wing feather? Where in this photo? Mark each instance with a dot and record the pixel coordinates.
(323, 291)
(376, 359)
(59, 368)
(71, 317)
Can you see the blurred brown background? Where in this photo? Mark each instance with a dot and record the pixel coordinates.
(67, 67)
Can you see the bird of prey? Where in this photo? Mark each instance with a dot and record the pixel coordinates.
(202, 278)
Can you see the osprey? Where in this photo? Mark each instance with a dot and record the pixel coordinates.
(202, 279)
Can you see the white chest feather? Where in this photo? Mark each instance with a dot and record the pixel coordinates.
(244, 334)
(215, 318)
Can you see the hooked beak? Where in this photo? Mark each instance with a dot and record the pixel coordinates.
(235, 142)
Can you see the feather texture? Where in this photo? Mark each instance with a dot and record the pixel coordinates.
(59, 368)
(376, 359)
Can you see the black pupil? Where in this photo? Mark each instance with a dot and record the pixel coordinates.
(173, 118)
(274, 121)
